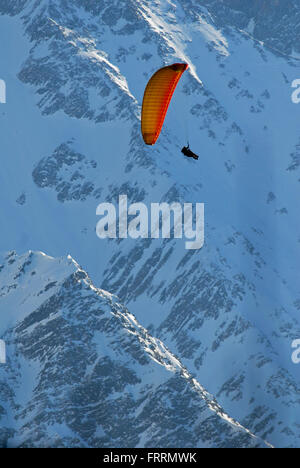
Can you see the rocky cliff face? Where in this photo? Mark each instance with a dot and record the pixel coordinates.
(82, 372)
(275, 23)
(70, 139)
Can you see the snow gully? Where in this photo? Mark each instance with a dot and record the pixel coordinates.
(166, 221)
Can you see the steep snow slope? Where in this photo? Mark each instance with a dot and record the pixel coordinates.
(70, 139)
(82, 372)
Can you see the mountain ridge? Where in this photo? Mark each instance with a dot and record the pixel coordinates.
(76, 389)
(71, 135)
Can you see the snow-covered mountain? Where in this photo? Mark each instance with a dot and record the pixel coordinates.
(82, 372)
(70, 139)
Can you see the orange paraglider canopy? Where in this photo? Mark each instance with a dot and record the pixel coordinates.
(157, 97)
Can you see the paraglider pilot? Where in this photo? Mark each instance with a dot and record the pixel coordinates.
(187, 152)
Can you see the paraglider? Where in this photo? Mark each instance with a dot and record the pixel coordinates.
(187, 152)
(157, 98)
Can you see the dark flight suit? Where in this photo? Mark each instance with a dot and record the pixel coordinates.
(187, 152)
